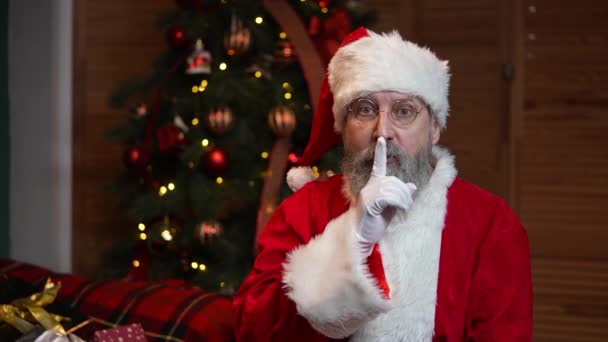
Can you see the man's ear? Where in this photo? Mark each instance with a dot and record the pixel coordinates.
(435, 131)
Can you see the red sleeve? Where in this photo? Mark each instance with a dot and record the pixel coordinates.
(262, 311)
(500, 299)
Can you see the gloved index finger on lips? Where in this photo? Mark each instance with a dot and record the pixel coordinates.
(379, 168)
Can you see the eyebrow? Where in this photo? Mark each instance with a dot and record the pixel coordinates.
(412, 98)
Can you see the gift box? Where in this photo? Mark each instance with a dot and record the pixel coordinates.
(131, 332)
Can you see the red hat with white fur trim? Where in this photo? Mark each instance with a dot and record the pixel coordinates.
(367, 62)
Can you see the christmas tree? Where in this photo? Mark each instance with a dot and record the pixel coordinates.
(203, 127)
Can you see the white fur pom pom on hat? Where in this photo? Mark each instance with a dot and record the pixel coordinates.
(386, 62)
(297, 177)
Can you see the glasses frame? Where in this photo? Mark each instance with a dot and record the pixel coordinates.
(377, 110)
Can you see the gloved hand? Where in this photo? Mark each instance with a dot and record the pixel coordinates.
(378, 202)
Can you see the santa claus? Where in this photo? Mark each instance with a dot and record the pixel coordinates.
(397, 248)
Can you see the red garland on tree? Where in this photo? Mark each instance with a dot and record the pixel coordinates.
(215, 161)
(176, 37)
(169, 137)
(136, 158)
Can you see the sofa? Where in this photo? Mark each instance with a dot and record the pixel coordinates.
(169, 310)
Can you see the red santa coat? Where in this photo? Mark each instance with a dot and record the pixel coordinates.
(455, 267)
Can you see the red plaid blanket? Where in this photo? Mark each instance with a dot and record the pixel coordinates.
(167, 310)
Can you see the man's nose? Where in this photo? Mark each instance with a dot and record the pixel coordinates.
(384, 126)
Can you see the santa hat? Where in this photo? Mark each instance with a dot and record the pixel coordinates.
(367, 62)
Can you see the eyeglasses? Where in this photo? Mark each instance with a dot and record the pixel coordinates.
(403, 112)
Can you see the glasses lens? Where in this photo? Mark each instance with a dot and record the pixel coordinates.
(404, 112)
(364, 110)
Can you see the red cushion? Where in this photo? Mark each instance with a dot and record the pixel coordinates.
(167, 310)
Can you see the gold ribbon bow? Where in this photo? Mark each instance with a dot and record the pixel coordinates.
(22, 312)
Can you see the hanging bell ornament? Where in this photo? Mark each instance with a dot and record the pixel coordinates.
(238, 38)
(199, 62)
(220, 120)
(282, 120)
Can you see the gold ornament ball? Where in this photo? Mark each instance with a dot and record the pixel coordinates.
(220, 120)
(285, 52)
(238, 41)
(282, 121)
(207, 230)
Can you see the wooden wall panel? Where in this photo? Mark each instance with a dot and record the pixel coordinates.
(457, 31)
(470, 35)
(113, 41)
(561, 163)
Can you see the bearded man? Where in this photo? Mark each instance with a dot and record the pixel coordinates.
(398, 248)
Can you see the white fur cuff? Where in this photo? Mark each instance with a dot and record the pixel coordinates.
(330, 283)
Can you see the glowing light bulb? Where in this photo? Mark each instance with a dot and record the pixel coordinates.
(205, 142)
(287, 96)
(171, 186)
(194, 265)
(136, 263)
(219, 180)
(195, 89)
(223, 66)
(202, 267)
(166, 235)
(141, 227)
(143, 236)
(258, 74)
(259, 20)
(264, 155)
(162, 191)
(282, 35)
(195, 121)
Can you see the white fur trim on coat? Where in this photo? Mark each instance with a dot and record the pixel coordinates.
(410, 253)
(387, 63)
(330, 283)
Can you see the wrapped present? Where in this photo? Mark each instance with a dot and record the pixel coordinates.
(131, 332)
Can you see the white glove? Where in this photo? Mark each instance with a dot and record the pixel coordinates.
(378, 202)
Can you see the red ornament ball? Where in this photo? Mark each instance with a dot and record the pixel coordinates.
(176, 37)
(220, 120)
(282, 121)
(136, 158)
(215, 161)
